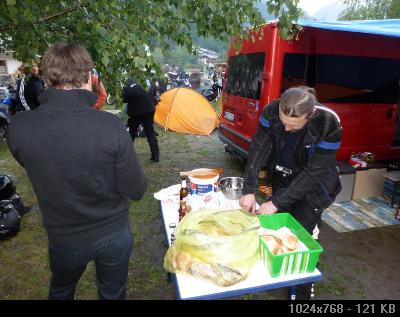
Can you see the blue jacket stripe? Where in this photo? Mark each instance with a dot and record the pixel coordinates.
(329, 145)
(264, 122)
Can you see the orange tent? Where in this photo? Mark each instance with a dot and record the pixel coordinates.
(187, 111)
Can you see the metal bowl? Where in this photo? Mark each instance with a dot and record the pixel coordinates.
(231, 187)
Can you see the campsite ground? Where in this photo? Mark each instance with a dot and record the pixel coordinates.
(356, 265)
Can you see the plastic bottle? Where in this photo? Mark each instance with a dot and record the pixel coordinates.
(183, 193)
(183, 198)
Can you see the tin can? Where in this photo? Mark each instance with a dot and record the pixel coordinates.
(173, 237)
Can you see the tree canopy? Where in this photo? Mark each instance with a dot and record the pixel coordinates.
(370, 9)
(121, 35)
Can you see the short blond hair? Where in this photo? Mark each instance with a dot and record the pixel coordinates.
(66, 64)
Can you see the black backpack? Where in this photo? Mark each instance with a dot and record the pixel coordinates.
(11, 208)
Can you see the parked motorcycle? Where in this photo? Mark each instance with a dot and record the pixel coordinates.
(211, 93)
(5, 115)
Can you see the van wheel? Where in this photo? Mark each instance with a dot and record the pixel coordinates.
(228, 149)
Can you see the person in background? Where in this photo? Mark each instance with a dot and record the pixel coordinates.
(140, 110)
(297, 140)
(100, 90)
(21, 103)
(84, 171)
(156, 88)
(34, 87)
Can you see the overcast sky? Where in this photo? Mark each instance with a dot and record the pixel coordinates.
(312, 6)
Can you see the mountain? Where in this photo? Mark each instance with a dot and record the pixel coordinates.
(262, 7)
(330, 12)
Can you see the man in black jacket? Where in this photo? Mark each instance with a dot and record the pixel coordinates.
(297, 141)
(141, 110)
(84, 171)
(34, 88)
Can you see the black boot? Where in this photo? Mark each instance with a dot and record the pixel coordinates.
(155, 158)
(155, 151)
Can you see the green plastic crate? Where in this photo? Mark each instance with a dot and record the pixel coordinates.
(293, 262)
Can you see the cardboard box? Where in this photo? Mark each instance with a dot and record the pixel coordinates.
(368, 183)
(347, 182)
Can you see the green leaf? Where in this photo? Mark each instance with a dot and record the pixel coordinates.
(105, 60)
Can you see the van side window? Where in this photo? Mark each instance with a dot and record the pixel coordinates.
(245, 75)
(344, 79)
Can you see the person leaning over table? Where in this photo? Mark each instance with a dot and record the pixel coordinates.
(84, 171)
(297, 140)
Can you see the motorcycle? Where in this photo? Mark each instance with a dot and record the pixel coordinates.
(5, 115)
(210, 93)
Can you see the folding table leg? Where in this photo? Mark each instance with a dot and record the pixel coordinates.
(394, 193)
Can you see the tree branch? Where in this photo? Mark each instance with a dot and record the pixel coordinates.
(42, 20)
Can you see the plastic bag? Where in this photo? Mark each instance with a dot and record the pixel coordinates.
(217, 245)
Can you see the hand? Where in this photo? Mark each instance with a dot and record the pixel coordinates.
(248, 203)
(267, 208)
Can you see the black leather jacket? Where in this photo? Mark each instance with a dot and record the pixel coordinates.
(138, 99)
(315, 174)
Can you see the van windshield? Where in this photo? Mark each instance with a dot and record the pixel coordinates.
(245, 75)
(340, 79)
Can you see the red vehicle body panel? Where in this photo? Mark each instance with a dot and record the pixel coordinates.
(366, 126)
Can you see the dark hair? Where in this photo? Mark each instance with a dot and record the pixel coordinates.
(24, 69)
(298, 101)
(66, 64)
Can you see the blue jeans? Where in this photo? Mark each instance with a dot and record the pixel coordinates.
(111, 256)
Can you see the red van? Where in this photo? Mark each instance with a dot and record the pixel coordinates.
(353, 66)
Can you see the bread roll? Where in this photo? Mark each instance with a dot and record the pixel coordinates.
(290, 241)
(273, 244)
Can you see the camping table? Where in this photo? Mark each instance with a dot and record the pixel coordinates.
(394, 177)
(188, 287)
